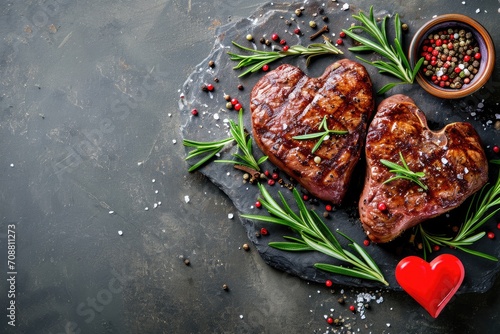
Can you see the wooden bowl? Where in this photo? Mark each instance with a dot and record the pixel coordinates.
(481, 36)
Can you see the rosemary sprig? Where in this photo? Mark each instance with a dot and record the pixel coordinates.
(259, 58)
(314, 235)
(484, 205)
(210, 149)
(322, 135)
(245, 146)
(397, 64)
(403, 172)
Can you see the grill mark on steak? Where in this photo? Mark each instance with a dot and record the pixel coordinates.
(286, 103)
(453, 160)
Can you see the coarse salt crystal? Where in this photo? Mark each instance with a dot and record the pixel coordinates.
(216, 116)
(345, 7)
(466, 170)
(11, 165)
(153, 180)
(146, 209)
(444, 160)
(155, 205)
(230, 215)
(174, 141)
(156, 191)
(186, 199)
(159, 203)
(120, 232)
(478, 10)
(111, 212)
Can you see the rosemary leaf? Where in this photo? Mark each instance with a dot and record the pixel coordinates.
(210, 149)
(397, 62)
(313, 234)
(254, 61)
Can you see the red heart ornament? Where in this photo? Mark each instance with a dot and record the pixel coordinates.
(432, 284)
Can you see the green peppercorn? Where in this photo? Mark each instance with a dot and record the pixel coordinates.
(312, 24)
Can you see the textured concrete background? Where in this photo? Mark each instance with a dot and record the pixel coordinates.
(89, 138)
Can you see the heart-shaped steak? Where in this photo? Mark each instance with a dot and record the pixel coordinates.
(432, 284)
(452, 159)
(286, 103)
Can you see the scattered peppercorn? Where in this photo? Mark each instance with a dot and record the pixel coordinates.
(249, 37)
(404, 27)
(352, 308)
(366, 242)
(328, 283)
(237, 107)
(298, 12)
(491, 235)
(240, 87)
(265, 68)
(498, 226)
(264, 231)
(187, 262)
(229, 105)
(275, 37)
(211, 63)
(496, 149)
(271, 182)
(210, 87)
(296, 31)
(312, 24)
(341, 300)
(329, 320)
(436, 248)
(245, 247)
(227, 97)
(342, 34)
(382, 206)
(339, 41)
(225, 287)
(258, 204)
(328, 207)
(194, 112)
(285, 48)
(262, 40)
(282, 42)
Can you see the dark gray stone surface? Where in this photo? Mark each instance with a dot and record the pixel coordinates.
(89, 104)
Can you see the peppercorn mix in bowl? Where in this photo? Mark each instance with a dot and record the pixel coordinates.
(459, 56)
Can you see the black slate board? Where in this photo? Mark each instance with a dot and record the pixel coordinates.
(211, 124)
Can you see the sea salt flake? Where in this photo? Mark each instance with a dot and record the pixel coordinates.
(120, 232)
(11, 165)
(186, 199)
(478, 10)
(155, 205)
(111, 212)
(230, 215)
(345, 7)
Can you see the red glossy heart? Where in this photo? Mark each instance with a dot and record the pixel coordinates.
(432, 284)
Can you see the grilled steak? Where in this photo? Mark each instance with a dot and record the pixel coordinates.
(452, 159)
(286, 103)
